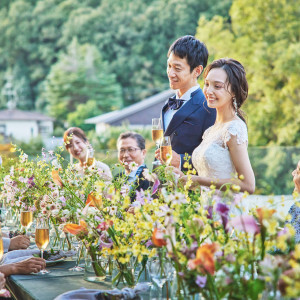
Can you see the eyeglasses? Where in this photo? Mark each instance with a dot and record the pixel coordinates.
(129, 150)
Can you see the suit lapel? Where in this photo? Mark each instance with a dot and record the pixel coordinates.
(162, 115)
(183, 113)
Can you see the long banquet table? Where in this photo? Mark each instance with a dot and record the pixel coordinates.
(49, 286)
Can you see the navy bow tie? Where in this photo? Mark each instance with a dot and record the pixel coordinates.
(175, 103)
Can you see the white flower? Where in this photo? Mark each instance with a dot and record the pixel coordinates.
(149, 176)
(113, 210)
(55, 212)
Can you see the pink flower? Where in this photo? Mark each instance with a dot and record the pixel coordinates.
(245, 223)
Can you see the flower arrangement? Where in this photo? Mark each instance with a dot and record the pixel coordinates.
(217, 248)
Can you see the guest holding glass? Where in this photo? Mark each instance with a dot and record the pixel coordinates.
(131, 154)
(79, 147)
(294, 211)
(186, 116)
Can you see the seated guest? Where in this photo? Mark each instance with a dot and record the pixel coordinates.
(2, 280)
(295, 208)
(31, 265)
(78, 146)
(131, 154)
(16, 243)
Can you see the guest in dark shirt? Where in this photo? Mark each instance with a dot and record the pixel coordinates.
(131, 154)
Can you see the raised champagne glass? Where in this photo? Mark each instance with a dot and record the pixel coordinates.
(90, 156)
(166, 150)
(157, 131)
(1, 245)
(1, 255)
(42, 238)
(26, 219)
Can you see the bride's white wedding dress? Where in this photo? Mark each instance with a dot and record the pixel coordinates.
(212, 157)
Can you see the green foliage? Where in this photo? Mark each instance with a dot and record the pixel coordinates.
(33, 147)
(81, 83)
(133, 36)
(264, 36)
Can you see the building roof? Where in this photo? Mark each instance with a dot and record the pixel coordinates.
(22, 115)
(132, 109)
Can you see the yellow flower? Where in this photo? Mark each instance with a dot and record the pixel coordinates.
(236, 188)
(242, 177)
(297, 251)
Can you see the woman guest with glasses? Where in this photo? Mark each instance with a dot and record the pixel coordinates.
(131, 154)
(79, 147)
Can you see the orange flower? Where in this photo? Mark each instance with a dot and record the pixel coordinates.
(205, 258)
(76, 229)
(94, 200)
(158, 238)
(56, 178)
(264, 213)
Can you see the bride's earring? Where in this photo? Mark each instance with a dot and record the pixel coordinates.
(235, 105)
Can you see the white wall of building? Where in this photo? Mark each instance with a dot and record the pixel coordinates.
(25, 130)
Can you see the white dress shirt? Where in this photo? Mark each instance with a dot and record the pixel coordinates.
(171, 112)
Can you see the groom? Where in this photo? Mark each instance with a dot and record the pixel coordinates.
(186, 116)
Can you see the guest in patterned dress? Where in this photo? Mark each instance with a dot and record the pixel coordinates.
(295, 208)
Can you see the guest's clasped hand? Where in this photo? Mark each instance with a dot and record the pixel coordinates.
(2, 281)
(19, 242)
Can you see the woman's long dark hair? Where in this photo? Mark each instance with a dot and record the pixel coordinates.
(236, 77)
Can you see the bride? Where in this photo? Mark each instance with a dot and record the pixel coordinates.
(223, 151)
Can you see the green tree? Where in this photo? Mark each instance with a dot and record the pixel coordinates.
(264, 35)
(81, 75)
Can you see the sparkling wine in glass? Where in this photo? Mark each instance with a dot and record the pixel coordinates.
(42, 238)
(157, 131)
(26, 219)
(166, 150)
(1, 245)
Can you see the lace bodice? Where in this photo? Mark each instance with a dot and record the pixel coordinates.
(212, 157)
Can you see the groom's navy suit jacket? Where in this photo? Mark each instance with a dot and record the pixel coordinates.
(189, 123)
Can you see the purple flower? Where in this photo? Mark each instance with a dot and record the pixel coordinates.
(105, 244)
(245, 223)
(140, 197)
(149, 243)
(30, 182)
(223, 210)
(201, 281)
(209, 212)
(155, 186)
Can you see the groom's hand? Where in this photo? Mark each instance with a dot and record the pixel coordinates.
(175, 162)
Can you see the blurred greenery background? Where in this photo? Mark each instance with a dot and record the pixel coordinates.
(75, 59)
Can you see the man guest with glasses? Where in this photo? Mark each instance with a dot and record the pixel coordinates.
(131, 154)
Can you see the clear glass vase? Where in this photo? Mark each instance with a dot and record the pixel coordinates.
(95, 266)
(123, 275)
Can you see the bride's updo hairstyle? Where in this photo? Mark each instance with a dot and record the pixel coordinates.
(71, 132)
(236, 78)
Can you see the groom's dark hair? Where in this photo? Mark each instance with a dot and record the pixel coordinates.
(192, 49)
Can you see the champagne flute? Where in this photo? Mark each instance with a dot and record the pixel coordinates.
(78, 246)
(42, 238)
(157, 131)
(1, 245)
(90, 156)
(1, 255)
(26, 219)
(166, 150)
